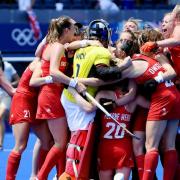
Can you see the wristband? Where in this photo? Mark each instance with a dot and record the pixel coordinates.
(73, 82)
(159, 78)
(48, 79)
(84, 43)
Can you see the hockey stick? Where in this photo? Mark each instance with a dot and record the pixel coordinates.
(108, 114)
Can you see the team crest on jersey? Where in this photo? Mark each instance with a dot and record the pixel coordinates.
(164, 111)
(63, 64)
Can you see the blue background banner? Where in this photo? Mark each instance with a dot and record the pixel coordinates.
(19, 38)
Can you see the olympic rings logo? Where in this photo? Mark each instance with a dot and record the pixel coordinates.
(24, 37)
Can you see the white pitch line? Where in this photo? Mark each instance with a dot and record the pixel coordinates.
(9, 150)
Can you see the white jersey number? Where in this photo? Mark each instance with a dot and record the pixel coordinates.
(169, 83)
(26, 113)
(119, 131)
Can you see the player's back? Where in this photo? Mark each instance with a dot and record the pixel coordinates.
(85, 58)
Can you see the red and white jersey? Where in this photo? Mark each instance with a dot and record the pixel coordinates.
(110, 129)
(165, 101)
(175, 56)
(154, 68)
(23, 86)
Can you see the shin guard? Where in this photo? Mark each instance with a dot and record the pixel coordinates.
(12, 165)
(79, 153)
(150, 164)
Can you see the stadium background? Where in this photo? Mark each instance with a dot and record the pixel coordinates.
(18, 43)
(20, 51)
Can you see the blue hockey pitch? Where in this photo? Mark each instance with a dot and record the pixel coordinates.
(25, 165)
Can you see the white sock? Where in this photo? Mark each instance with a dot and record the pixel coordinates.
(119, 176)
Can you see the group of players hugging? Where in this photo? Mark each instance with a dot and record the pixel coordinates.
(76, 73)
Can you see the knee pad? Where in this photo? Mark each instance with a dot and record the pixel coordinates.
(74, 152)
(79, 153)
(85, 161)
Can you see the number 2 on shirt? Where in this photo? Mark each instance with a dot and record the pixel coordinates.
(115, 131)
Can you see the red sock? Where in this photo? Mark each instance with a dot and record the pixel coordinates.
(51, 160)
(140, 165)
(170, 164)
(177, 174)
(150, 164)
(60, 166)
(42, 157)
(12, 165)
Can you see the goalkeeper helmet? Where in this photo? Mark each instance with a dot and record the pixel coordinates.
(99, 28)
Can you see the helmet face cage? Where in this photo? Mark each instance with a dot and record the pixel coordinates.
(99, 28)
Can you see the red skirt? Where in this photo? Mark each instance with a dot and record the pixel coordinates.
(165, 106)
(49, 105)
(23, 108)
(115, 154)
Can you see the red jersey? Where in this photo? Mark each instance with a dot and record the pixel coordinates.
(49, 105)
(46, 64)
(152, 71)
(110, 129)
(23, 86)
(115, 147)
(166, 99)
(45, 72)
(154, 68)
(175, 56)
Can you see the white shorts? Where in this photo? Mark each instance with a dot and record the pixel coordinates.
(5, 100)
(77, 118)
